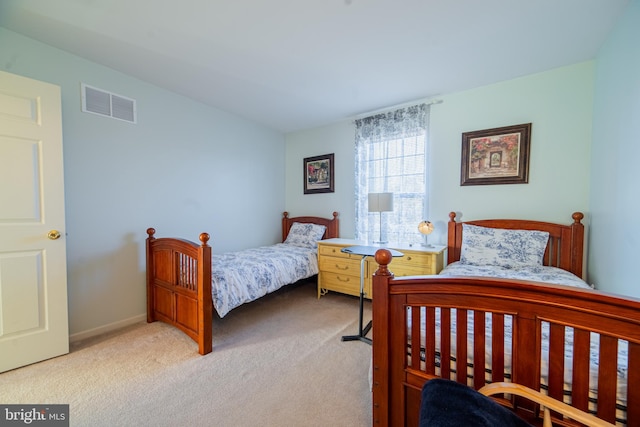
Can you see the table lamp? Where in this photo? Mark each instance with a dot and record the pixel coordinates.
(426, 228)
(380, 202)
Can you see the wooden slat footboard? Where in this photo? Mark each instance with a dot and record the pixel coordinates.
(501, 331)
(179, 286)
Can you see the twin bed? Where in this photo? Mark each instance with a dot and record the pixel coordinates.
(572, 343)
(185, 282)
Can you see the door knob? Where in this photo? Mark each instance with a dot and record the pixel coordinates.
(54, 235)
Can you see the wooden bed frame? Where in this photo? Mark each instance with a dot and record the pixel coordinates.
(399, 373)
(179, 279)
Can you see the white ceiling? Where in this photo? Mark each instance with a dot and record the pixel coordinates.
(298, 64)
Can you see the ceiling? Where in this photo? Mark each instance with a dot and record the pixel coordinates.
(298, 64)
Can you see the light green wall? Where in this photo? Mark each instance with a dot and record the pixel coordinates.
(558, 103)
(615, 201)
(184, 168)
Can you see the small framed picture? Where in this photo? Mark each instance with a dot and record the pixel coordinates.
(318, 174)
(496, 156)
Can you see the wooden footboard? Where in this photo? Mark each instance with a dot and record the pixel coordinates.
(179, 286)
(421, 326)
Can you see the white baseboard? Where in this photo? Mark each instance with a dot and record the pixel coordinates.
(106, 328)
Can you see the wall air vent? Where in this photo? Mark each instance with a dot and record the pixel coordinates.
(98, 101)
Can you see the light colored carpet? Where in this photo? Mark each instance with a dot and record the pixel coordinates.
(278, 361)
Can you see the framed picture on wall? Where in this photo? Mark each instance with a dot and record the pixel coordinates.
(496, 156)
(318, 174)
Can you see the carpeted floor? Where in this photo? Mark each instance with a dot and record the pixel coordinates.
(278, 361)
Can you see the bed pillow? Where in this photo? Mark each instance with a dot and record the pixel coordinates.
(305, 235)
(501, 247)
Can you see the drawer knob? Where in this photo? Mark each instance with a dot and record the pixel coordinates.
(346, 267)
(343, 280)
(409, 258)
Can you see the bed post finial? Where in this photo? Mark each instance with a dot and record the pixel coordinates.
(285, 214)
(151, 232)
(204, 238)
(577, 216)
(383, 258)
(454, 234)
(577, 245)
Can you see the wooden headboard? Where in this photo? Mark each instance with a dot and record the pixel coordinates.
(564, 250)
(332, 224)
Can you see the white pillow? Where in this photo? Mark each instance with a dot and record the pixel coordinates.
(502, 247)
(305, 235)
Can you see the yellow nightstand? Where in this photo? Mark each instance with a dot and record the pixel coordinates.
(340, 272)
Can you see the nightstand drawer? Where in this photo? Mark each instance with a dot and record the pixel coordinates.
(415, 263)
(335, 251)
(413, 260)
(340, 265)
(344, 283)
(401, 270)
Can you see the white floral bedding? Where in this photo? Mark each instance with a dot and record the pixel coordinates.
(244, 276)
(537, 273)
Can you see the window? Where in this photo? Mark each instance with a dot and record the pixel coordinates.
(391, 157)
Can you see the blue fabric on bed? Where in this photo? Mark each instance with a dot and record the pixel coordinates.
(447, 403)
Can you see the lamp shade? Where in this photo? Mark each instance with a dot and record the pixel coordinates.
(380, 202)
(425, 227)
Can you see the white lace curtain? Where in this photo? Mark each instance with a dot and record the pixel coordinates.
(391, 157)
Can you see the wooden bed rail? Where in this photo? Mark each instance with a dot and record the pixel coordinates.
(179, 286)
(404, 310)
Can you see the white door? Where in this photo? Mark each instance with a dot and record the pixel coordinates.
(33, 271)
